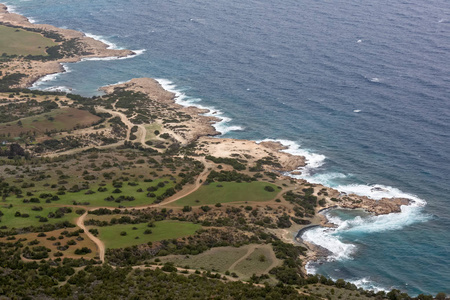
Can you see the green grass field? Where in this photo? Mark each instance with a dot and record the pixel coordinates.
(98, 198)
(163, 230)
(11, 221)
(58, 119)
(217, 259)
(256, 263)
(22, 42)
(229, 192)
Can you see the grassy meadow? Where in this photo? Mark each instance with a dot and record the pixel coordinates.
(135, 235)
(58, 119)
(16, 41)
(225, 192)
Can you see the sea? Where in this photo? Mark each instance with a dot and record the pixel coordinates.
(361, 88)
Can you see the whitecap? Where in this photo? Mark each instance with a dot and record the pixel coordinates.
(359, 41)
(100, 38)
(356, 110)
(324, 237)
(11, 8)
(223, 125)
(330, 238)
(313, 160)
(368, 284)
(63, 89)
(50, 77)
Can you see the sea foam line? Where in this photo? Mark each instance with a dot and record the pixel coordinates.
(223, 126)
(13, 10)
(50, 77)
(100, 38)
(328, 238)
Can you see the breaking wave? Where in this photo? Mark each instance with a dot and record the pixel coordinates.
(223, 126)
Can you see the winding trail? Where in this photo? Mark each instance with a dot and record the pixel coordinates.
(249, 251)
(97, 241)
(119, 114)
(183, 193)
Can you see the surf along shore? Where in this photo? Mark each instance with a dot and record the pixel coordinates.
(192, 127)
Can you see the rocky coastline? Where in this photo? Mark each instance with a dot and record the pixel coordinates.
(199, 128)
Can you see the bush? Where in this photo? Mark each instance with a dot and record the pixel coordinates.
(269, 188)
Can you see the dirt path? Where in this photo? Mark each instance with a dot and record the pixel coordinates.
(275, 262)
(141, 134)
(78, 150)
(97, 241)
(101, 246)
(249, 251)
(122, 117)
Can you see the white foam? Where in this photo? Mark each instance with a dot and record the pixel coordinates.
(325, 237)
(11, 8)
(359, 41)
(310, 268)
(329, 238)
(367, 284)
(136, 53)
(356, 110)
(223, 126)
(378, 191)
(313, 160)
(63, 89)
(100, 38)
(50, 77)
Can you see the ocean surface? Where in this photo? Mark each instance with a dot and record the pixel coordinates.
(361, 88)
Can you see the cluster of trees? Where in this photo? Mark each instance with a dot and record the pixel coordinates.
(228, 176)
(235, 163)
(306, 200)
(9, 80)
(14, 150)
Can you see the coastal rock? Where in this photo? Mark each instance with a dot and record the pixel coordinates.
(195, 126)
(377, 207)
(252, 151)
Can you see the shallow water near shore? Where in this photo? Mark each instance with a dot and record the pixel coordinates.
(360, 88)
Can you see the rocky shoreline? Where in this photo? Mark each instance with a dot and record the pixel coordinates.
(199, 128)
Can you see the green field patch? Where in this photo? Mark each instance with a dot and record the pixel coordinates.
(216, 259)
(113, 236)
(97, 198)
(257, 262)
(224, 192)
(12, 219)
(63, 119)
(16, 41)
(150, 131)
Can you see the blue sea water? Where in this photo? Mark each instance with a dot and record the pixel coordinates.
(361, 88)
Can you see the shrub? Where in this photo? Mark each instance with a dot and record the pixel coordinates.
(269, 188)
